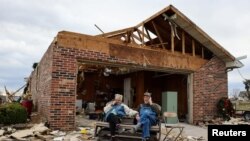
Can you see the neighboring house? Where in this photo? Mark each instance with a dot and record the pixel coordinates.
(166, 52)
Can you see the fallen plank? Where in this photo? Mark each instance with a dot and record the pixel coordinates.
(22, 133)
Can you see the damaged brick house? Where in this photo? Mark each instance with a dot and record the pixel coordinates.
(165, 53)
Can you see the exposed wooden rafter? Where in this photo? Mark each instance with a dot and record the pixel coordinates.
(118, 32)
(116, 35)
(172, 39)
(193, 47)
(158, 34)
(126, 38)
(142, 34)
(153, 45)
(139, 35)
(150, 39)
(183, 42)
(132, 38)
(202, 52)
(136, 37)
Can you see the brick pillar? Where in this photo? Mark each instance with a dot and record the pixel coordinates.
(210, 84)
(63, 89)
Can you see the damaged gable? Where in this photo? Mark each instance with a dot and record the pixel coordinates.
(171, 30)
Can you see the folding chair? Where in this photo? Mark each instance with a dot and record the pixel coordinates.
(172, 125)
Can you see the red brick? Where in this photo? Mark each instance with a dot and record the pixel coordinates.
(208, 89)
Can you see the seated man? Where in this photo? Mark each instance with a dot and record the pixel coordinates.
(148, 116)
(114, 111)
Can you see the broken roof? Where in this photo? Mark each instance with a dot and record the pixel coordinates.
(155, 37)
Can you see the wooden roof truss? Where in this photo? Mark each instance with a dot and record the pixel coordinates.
(169, 29)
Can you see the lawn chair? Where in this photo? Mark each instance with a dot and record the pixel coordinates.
(170, 127)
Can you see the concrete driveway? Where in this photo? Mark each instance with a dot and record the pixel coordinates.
(189, 132)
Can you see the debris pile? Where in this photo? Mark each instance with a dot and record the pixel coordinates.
(220, 121)
(41, 132)
(236, 121)
(22, 131)
(192, 138)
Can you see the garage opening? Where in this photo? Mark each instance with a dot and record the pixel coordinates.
(97, 83)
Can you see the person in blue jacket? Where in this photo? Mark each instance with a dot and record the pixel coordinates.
(148, 116)
(114, 111)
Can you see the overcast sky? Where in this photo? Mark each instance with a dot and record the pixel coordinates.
(27, 27)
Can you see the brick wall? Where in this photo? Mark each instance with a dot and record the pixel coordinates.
(210, 84)
(40, 85)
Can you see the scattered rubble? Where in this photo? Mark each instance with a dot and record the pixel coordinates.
(22, 133)
(217, 121)
(4, 138)
(58, 133)
(41, 132)
(192, 138)
(220, 121)
(1, 132)
(8, 130)
(37, 128)
(14, 131)
(58, 139)
(21, 126)
(236, 121)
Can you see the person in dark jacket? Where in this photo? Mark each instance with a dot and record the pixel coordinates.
(148, 116)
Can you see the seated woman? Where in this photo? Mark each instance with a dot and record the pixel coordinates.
(114, 111)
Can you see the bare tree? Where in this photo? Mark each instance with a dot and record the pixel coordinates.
(247, 87)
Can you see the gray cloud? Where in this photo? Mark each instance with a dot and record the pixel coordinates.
(27, 27)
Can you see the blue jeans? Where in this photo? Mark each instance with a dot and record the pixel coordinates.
(147, 119)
